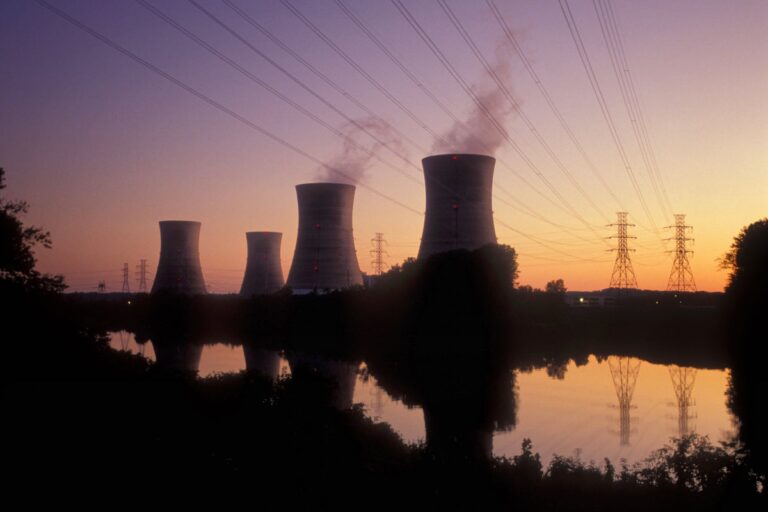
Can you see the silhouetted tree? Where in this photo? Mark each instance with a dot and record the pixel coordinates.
(747, 303)
(556, 286)
(17, 243)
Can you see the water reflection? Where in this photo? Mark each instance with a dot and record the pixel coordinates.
(683, 380)
(340, 374)
(624, 372)
(563, 412)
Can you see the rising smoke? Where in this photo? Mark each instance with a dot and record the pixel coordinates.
(364, 138)
(477, 132)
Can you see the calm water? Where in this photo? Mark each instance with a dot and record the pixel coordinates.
(616, 408)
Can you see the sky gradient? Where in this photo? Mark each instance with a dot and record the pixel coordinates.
(103, 149)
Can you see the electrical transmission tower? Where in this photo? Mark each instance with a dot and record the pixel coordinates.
(681, 276)
(624, 372)
(623, 275)
(682, 382)
(142, 269)
(102, 287)
(378, 253)
(126, 288)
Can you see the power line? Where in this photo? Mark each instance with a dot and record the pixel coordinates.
(210, 101)
(456, 22)
(213, 103)
(483, 108)
(548, 98)
(619, 64)
(605, 111)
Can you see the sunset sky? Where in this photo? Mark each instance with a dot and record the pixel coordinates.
(103, 148)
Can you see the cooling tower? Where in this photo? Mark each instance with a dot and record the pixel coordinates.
(263, 272)
(459, 210)
(325, 257)
(179, 268)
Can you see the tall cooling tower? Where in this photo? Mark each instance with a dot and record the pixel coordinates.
(325, 257)
(179, 269)
(263, 272)
(459, 210)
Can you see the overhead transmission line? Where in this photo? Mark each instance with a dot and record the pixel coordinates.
(210, 101)
(509, 34)
(527, 210)
(427, 92)
(484, 109)
(595, 85)
(243, 120)
(412, 77)
(612, 38)
(467, 37)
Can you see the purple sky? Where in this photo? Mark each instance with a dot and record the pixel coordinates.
(103, 149)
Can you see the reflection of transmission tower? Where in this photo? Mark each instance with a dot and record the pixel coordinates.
(681, 276)
(126, 288)
(623, 275)
(142, 269)
(624, 371)
(378, 253)
(682, 382)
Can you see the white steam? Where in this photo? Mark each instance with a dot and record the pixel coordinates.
(478, 133)
(364, 138)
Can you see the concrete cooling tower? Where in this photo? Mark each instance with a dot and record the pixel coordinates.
(459, 203)
(325, 257)
(263, 272)
(179, 269)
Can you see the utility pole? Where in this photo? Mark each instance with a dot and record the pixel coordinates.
(378, 253)
(126, 288)
(623, 275)
(681, 276)
(142, 269)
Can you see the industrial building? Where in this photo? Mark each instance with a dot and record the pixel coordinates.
(263, 271)
(459, 212)
(179, 269)
(325, 257)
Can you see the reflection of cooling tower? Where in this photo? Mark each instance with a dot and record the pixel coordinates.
(177, 355)
(263, 273)
(262, 361)
(325, 256)
(342, 375)
(179, 268)
(459, 210)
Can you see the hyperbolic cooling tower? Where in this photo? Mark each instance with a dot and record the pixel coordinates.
(325, 257)
(179, 268)
(459, 210)
(263, 272)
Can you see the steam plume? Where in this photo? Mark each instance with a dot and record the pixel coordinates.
(477, 133)
(358, 149)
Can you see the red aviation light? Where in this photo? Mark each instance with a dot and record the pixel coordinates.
(455, 206)
(316, 268)
(317, 226)
(454, 157)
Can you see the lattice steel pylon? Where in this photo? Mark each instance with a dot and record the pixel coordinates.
(378, 254)
(126, 288)
(683, 380)
(142, 269)
(624, 372)
(681, 276)
(623, 275)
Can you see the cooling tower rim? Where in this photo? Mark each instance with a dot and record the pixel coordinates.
(442, 156)
(266, 233)
(324, 184)
(180, 223)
